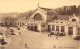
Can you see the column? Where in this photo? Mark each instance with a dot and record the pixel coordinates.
(39, 27)
(50, 27)
(59, 29)
(55, 28)
(15, 24)
(74, 31)
(18, 24)
(66, 30)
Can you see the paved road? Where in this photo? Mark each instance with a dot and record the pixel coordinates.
(16, 43)
(36, 40)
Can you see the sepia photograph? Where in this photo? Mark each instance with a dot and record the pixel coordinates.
(39, 24)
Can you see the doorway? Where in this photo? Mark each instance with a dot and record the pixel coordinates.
(35, 28)
(70, 31)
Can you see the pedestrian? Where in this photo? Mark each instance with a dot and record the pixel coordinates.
(42, 32)
(19, 33)
(25, 45)
(48, 35)
(57, 35)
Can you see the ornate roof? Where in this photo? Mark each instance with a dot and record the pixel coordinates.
(49, 11)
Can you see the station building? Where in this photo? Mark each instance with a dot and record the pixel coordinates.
(44, 19)
(40, 18)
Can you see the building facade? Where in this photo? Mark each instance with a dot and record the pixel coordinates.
(39, 19)
(71, 26)
(44, 19)
(11, 22)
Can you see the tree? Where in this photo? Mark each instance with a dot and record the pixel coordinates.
(8, 21)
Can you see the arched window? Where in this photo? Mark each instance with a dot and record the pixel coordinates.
(38, 17)
(74, 20)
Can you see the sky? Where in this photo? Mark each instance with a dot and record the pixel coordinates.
(7, 6)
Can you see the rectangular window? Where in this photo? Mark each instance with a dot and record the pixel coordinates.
(78, 31)
(53, 28)
(62, 28)
(57, 28)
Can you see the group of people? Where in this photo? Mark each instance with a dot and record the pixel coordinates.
(51, 33)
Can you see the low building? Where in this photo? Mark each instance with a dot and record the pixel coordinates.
(67, 25)
(11, 22)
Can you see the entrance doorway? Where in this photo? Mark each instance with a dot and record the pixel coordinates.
(32, 28)
(35, 28)
(49, 28)
(70, 31)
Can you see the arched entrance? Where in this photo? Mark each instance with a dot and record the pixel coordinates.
(32, 28)
(38, 16)
(35, 28)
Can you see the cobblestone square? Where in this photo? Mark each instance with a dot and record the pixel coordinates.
(37, 40)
